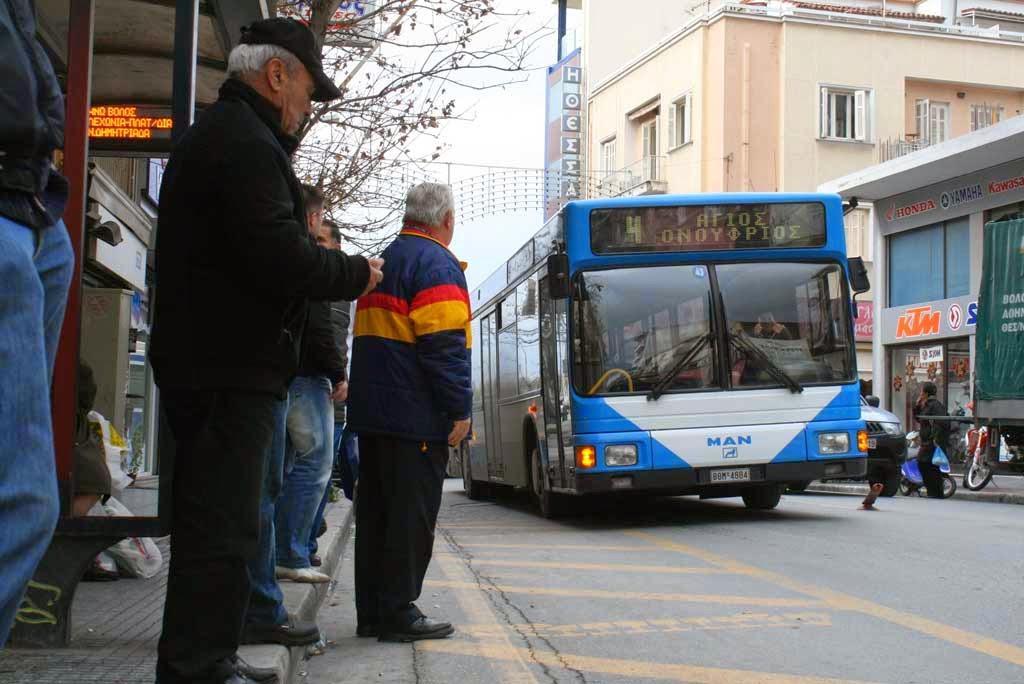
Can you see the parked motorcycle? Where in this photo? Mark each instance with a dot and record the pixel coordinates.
(911, 481)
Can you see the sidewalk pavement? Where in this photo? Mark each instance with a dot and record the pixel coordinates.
(115, 625)
(1006, 489)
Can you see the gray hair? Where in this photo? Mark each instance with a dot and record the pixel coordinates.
(246, 60)
(427, 203)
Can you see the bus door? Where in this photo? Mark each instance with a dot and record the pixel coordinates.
(557, 428)
(488, 330)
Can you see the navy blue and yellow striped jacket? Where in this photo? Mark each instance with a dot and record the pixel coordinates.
(411, 374)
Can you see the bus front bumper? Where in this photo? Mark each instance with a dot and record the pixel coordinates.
(698, 480)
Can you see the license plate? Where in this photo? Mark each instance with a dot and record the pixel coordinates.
(872, 444)
(731, 475)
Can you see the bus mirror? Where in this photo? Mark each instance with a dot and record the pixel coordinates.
(872, 400)
(859, 282)
(558, 276)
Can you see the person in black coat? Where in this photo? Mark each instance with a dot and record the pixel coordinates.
(234, 272)
(36, 265)
(933, 434)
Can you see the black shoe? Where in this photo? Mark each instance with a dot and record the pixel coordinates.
(421, 628)
(264, 675)
(315, 561)
(291, 633)
(363, 631)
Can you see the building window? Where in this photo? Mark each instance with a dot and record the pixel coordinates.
(858, 234)
(608, 157)
(845, 113)
(932, 121)
(650, 148)
(985, 115)
(930, 263)
(679, 114)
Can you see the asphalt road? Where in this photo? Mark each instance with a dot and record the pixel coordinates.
(683, 590)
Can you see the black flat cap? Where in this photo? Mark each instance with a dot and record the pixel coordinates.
(296, 38)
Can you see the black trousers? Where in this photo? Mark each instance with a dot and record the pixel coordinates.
(221, 441)
(397, 502)
(930, 472)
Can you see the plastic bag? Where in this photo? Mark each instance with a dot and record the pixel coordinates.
(116, 449)
(940, 459)
(135, 556)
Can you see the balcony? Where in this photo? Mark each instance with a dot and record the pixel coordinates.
(899, 147)
(646, 176)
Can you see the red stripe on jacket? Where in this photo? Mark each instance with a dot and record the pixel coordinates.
(440, 293)
(384, 301)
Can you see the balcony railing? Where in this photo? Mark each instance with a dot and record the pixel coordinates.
(898, 147)
(643, 177)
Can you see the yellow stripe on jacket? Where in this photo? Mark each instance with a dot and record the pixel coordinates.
(440, 317)
(379, 322)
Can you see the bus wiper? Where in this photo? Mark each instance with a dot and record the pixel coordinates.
(665, 380)
(773, 369)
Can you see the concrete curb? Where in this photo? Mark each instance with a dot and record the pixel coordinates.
(303, 601)
(987, 495)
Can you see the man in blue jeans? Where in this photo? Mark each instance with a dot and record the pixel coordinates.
(310, 426)
(36, 265)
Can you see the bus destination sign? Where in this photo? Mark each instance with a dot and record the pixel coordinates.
(129, 122)
(711, 227)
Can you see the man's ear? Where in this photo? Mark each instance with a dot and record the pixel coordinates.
(276, 74)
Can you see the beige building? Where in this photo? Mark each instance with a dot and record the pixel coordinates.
(782, 96)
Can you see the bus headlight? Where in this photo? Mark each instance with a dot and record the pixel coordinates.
(586, 457)
(833, 443)
(620, 455)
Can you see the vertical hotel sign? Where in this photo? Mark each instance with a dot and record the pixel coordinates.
(563, 134)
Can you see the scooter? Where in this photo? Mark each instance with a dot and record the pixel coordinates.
(912, 482)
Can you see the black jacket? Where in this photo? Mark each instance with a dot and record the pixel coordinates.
(31, 121)
(320, 355)
(932, 431)
(234, 265)
(341, 320)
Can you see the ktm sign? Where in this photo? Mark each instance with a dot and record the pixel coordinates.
(918, 322)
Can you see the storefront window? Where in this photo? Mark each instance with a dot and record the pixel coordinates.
(950, 370)
(930, 263)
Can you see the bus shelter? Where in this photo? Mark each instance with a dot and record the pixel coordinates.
(134, 73)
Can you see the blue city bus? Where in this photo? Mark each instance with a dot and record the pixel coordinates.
(671, 344)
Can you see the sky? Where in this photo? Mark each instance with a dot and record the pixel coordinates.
(503, 127)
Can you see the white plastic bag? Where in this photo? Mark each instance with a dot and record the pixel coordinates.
(116, 450)
(136, 556)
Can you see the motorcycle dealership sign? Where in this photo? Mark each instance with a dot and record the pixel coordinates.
(930, 320)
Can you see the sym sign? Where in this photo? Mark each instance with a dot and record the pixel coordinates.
(974, 192)
(930, 320)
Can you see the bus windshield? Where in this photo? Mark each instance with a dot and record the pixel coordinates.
(786, 322)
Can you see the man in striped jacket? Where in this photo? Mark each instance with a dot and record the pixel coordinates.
(410, 397)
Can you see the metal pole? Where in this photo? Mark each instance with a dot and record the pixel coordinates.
(561, 26)
(183, 88)
(76, 158)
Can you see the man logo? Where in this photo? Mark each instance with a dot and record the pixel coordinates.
(730, 441)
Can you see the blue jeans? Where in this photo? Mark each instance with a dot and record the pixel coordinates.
(34, 279)
(266, 603)
(346, 453)
(308, 466)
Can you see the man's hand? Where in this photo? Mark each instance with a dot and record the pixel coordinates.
(340, 392)
(459, 432)
(376, 274)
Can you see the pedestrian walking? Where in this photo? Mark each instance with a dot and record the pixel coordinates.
(309, 456)
(932, 434)
(235, 270)
(36, 265)
(411, 399)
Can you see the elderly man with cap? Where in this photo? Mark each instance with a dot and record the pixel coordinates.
(235, 270)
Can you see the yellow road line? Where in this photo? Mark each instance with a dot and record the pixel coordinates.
(561, 547)
(631, 669)
(512, 662)
(637, 596)
(834, 599)
(665, 625)
(613, 567)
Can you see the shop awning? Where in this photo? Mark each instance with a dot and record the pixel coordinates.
(133, 46)
(998, 144)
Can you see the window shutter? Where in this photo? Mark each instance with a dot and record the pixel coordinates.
(825, 127)
(656, 133)
(688, 105)
(860, 115)
(922, 120)
(672, 142)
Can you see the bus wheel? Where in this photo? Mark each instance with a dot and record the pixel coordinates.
(762, 498)
(548, 502)
(475, 489)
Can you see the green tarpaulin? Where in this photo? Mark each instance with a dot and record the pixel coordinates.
(999, 362)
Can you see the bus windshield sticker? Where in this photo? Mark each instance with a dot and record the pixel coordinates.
(699, 228)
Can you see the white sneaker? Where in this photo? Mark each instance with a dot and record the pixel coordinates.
(301, 575)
